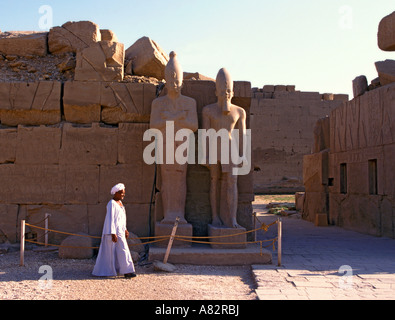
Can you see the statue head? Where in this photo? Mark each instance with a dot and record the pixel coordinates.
(173, 74)
(224, 89)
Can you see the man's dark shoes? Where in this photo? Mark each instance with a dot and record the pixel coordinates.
(130, 275)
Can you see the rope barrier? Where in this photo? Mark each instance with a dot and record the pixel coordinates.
(263, 227)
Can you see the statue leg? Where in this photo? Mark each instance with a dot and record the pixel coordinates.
(174, 191)
(231, 201)
(214, 192)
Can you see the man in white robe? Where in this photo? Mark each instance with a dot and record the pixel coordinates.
(114, 255)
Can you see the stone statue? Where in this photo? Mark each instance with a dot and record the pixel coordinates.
(223, 188)
(178, 111)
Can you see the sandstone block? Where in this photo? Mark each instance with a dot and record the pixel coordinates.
(8, 143)
(130, 142)
(31, 103)
(108, 35)
(8, 218)
(81, 101)
(23, 43)
(184, 230)
(268, 88)
(321, 220)
(360, 86)
(102, 61)
(66, 218)
(386, 70)
(386, 33)
(72, 36)
(76, 247)
(32, 184)
(315, 171)
(82, 184)
(94, 145)
(227, 238)
(196, 76)
(38, 145)
(148, 58)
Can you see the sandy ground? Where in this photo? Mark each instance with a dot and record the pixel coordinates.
(72, 280)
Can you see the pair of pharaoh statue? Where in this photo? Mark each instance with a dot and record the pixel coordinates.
(182, 111)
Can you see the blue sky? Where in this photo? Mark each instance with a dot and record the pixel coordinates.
(315, 45)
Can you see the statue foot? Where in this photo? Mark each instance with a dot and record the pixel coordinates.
(217, 222)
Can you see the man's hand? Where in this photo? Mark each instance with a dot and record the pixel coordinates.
(126, 234)
(114, 238)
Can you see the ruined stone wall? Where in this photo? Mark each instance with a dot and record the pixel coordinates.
(63, 149)
(74, 105)
(363, 141)
(352, 180)
(283, 121)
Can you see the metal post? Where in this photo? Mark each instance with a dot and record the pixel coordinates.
(46, 229)
(173, 233)
(279, 235)
(22, 249)
(254, 214)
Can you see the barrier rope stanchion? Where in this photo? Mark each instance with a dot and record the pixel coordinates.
(22, 248)
(279, 235)
(46, 228)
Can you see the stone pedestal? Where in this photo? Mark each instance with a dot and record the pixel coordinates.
(233, 235)
(166, 229)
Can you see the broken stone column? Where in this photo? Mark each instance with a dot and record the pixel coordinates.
(102, 61)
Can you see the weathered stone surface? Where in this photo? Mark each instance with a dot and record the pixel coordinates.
(102, 61)
(127, 102)
(65, 218)
(23, 43)
(8, 227)
(386, 70)
(81, 101)
(386, 33)
(72, 36)
(360, 86)
(321, 135)
(89, 145)
(38, 145)
(32, 184)
(366, 121)
(32, 103)
(82, 184)
(148, 58)
(8, 144)
(108, 35)
(227, 238)
(315, 171)
(76, 247)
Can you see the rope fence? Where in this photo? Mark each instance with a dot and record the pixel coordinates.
(156, 239)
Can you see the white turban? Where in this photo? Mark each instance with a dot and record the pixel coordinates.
(117, 188)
